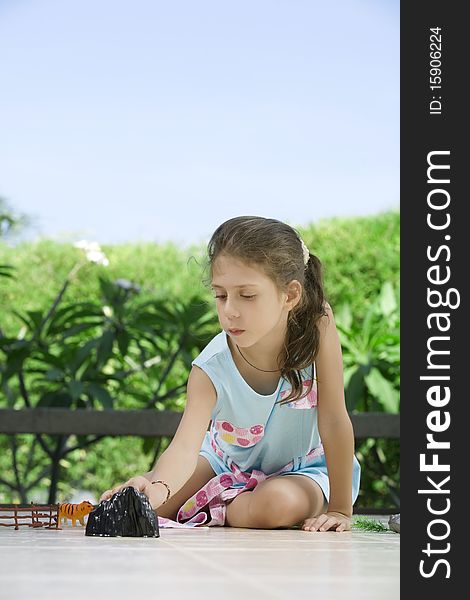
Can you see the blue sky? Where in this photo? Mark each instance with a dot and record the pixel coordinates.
(128, 121)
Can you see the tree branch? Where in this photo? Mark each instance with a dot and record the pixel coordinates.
(43, 473)
(84, 445)
(12, 486)
(19, 485)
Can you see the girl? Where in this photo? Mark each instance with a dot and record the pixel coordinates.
(280, 448)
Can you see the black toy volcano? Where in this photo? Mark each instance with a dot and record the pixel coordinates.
(127, 514)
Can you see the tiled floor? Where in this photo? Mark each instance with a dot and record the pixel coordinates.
(215, 562)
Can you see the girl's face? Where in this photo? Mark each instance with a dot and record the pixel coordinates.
(248, 300)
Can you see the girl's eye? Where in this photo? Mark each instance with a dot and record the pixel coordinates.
(249, 297)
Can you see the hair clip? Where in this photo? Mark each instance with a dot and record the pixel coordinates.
(305, 252)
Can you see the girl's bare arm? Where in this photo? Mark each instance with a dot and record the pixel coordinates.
(334, 424)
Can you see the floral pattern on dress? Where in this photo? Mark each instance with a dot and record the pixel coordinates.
(308, 401)
(239, 436)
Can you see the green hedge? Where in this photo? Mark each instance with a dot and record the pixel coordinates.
(358, 254)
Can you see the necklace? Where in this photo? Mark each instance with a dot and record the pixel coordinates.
(266, 371)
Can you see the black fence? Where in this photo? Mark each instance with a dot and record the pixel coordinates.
(149, 423)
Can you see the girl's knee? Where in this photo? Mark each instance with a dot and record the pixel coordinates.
(271, 510)
(284, 502)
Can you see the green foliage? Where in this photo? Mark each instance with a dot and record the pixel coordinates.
(83, 355)
(358, 255)
(6, 271)
(380, 473)
(87, 354)
(368, 524)
(372, 353)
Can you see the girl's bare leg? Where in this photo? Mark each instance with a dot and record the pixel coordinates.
(282, 501)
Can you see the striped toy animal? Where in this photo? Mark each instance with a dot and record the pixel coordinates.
(75, 512)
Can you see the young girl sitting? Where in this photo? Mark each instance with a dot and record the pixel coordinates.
(280, 448)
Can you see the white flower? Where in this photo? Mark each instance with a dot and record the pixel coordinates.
(93, 252)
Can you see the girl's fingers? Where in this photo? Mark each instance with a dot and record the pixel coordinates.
(322, 520)
(110, 493)
(321, 524)
(316, 523)
(105, 495)
(328, 523)
(133, 482)
(324, 523)
(119, 488)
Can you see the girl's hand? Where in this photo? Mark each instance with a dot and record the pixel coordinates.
(326, 521)
(153, 492)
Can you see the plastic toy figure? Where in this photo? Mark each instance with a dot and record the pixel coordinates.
(75, 512)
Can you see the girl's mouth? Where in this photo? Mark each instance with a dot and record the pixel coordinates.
(236, 331)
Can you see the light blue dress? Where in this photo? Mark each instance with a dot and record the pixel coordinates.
(253, 432)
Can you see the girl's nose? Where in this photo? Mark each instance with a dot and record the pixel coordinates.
(230, 310)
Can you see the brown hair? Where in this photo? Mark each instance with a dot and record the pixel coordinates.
(276, 247)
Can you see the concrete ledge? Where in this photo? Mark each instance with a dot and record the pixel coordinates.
(149, 423)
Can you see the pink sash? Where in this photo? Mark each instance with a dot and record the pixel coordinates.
(219, 490)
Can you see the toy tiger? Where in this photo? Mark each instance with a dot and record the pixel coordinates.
(75, 512)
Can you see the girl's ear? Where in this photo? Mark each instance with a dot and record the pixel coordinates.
(294, 293)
